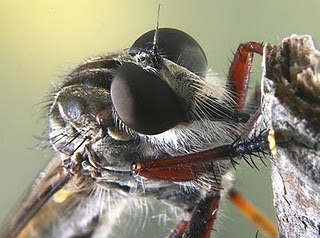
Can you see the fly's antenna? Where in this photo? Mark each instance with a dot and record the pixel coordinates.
(156, 33)
(156, 59)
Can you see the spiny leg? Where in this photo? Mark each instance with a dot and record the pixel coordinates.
(199, 223)
(190, 167)
(203, 217)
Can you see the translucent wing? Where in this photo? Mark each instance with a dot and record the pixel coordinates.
(61, 205)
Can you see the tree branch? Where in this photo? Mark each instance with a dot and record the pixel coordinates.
(291, 107)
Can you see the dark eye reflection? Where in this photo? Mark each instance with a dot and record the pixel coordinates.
(143, 101)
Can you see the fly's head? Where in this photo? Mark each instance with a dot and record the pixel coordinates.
(145, 103)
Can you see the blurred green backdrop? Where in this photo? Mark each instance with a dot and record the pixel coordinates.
(41, 40)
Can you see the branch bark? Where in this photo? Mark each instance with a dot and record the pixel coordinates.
(291, 108)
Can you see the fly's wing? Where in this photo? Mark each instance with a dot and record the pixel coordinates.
(41, 190)
(60, 205)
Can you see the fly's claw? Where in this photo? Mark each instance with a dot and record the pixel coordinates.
(257, 145)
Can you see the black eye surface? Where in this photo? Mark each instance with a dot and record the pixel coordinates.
(143, 101)
(176, 46)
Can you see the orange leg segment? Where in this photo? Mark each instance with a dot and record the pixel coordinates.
(264, 224)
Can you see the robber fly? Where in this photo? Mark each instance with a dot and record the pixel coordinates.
(150, 121)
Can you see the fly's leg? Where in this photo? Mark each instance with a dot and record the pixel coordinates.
(265, 225)
(203, 217)
(199, 223)
(189, 167)
(239, 72)
(238, 81)
(182, 226)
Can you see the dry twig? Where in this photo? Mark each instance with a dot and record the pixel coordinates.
(291, 107)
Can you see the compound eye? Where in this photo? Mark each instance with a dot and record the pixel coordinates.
(143, 101)
(176, 46)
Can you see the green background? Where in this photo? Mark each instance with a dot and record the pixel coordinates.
(41, 40)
